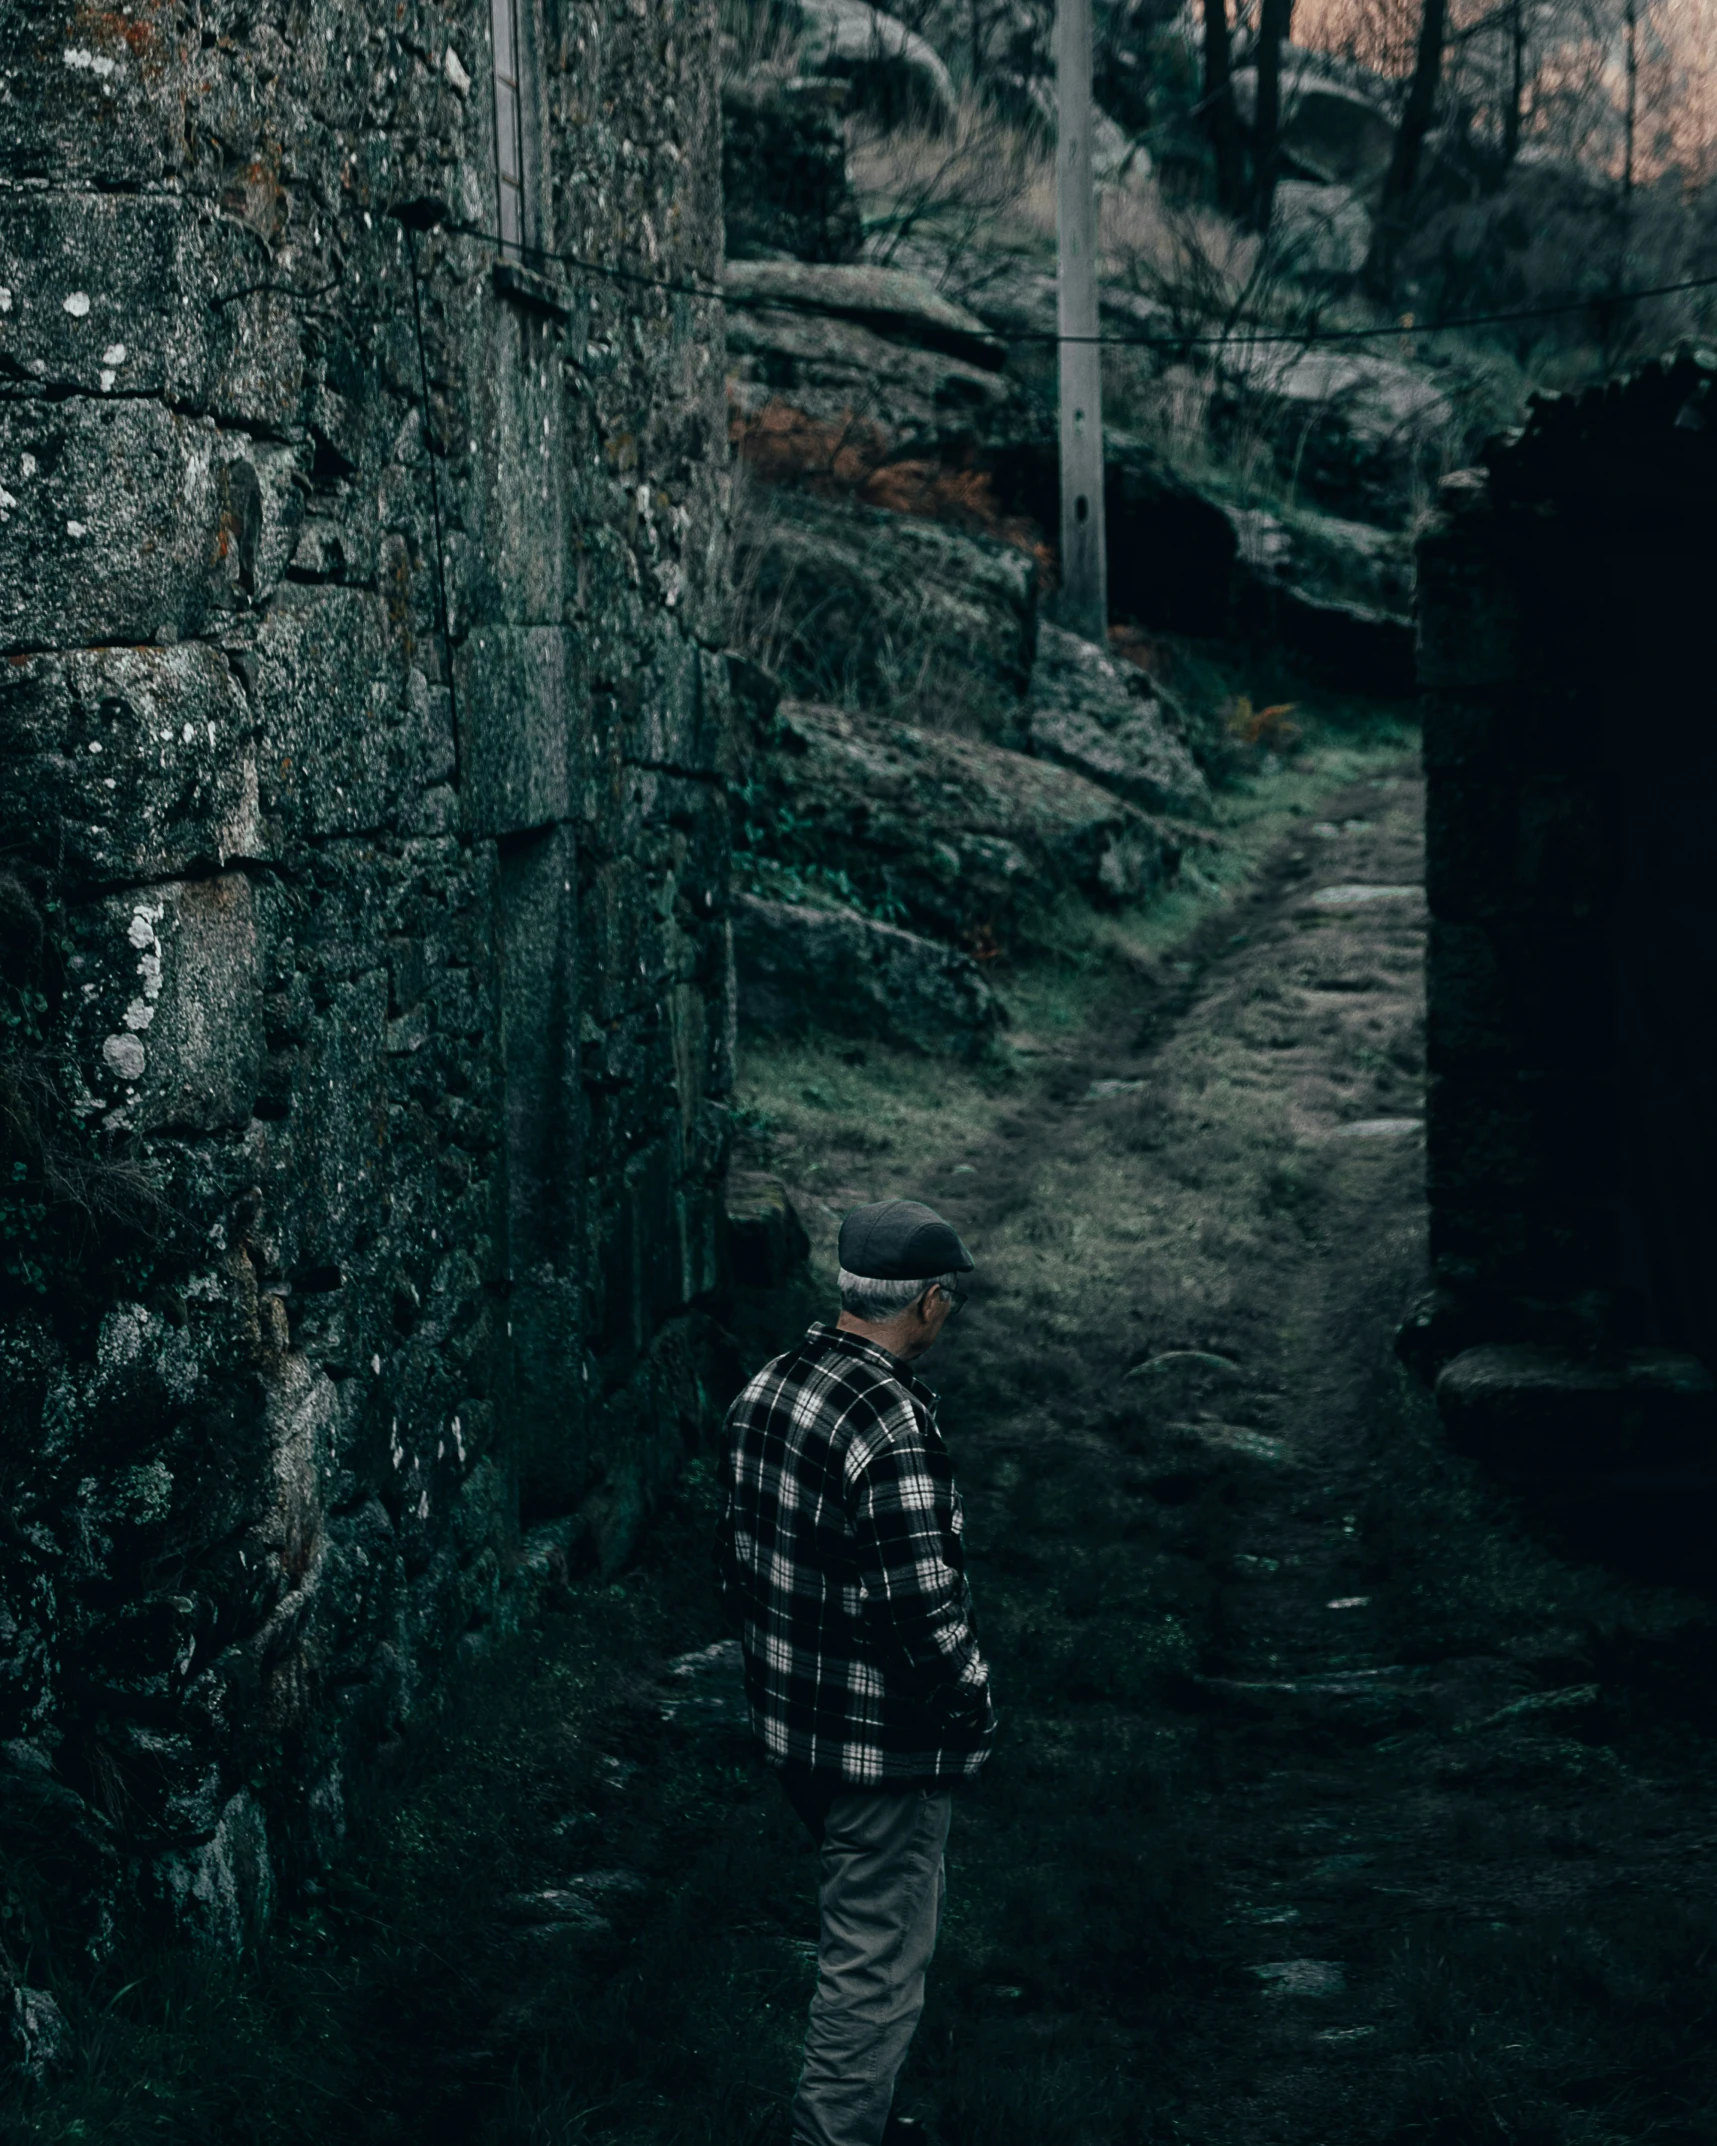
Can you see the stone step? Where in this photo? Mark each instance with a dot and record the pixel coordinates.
(1529, 1413)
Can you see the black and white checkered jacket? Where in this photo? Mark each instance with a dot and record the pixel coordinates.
(840, 1559)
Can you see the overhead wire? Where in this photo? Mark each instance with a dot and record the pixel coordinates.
(1303, 338)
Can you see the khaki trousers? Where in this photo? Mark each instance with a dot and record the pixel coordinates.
(880, 1896)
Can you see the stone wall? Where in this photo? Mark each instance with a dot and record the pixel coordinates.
(1564, 600)
(367, 985)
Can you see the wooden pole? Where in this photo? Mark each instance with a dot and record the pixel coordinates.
(1084, 607)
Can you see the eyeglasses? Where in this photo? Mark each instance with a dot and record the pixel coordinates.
(957, 1299)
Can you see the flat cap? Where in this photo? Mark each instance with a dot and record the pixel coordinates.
(901, 1241)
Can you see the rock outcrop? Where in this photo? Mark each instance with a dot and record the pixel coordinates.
(1105, 719)
(875, 361)
(957, 837)
(860, 606)
(802, 967)
(1322, 232)
(1336, 130)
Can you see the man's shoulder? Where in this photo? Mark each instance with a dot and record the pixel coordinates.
(834, 1372)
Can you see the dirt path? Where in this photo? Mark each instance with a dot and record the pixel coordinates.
(1334, 1806)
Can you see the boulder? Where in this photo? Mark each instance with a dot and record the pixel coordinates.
(1322, 233)
(1023, 304)
(954, 835)
(1106, 720)
(858, 605)
(1326, 556)
(784, 170)
(800, 967)
(816, 397)
(1021, 88)
(38, 2033)
(895, 73)
(867, 363)
(891, 301)
(1360, 431)
(1338, 130)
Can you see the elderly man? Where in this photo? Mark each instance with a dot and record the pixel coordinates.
(840, 1557)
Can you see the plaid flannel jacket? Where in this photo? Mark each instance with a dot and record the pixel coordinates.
(840, 1559)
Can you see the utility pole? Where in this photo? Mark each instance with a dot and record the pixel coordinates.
(1084, 608)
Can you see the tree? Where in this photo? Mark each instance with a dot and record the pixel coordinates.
(1630, 110)
(1275, 17)
(1220, 119)
(1514, 110)
(1403, 173)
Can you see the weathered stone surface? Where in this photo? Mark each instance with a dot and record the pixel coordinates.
(515, 697)
(784, 171)
(169, 1007)
(109, 97)
(85, 271)
(877, 609)
(859, 396)
(143, 760)
(379, 958)
(1342, 130)
(38, 2033)
(1324, 232)
(832, 968)
(957, 835)
(126, 521)
(1333, 593)
(1323, 558)
(1104, 719)
(839, 368)
(348, 736)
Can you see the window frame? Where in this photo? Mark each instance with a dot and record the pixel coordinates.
(510, 59)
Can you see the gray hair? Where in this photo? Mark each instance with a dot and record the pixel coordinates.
(867, 1297)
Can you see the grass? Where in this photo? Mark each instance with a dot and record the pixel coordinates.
(1582, 2029)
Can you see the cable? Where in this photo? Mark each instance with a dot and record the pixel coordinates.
(1304, 339)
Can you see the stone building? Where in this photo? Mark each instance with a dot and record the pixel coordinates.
(363, 870)
(1564, 600)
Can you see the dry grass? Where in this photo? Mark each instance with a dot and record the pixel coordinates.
(980, 202)
(759, 38)
(975, 212)
(849, 458)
